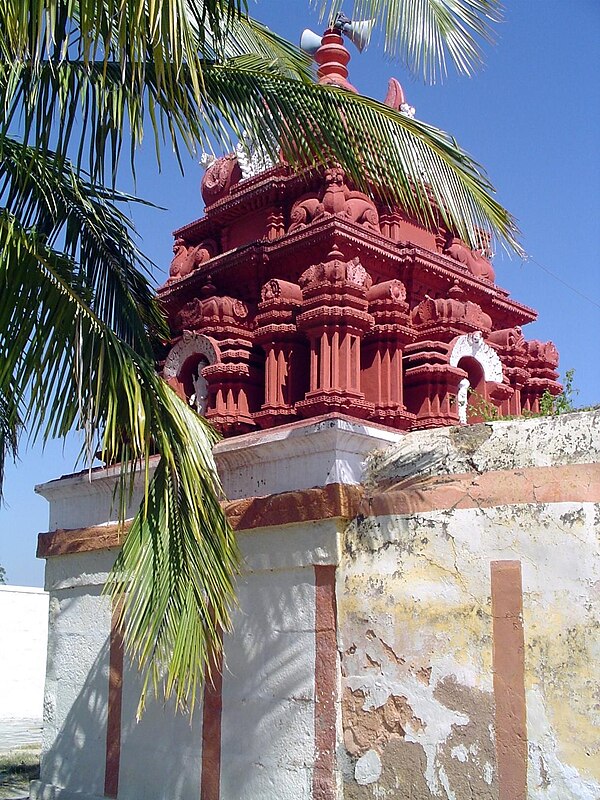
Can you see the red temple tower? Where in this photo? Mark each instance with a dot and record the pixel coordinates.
(296, 296)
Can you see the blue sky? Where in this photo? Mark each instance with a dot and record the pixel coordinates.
(531, 116)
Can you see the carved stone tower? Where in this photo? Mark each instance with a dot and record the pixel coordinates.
(296, 296)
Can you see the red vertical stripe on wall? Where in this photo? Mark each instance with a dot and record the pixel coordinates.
(210, 783)
(509, 679)
(115, 696)
(325, 683)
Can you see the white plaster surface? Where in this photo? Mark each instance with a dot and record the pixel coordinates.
(368, 768)
(75, 702)
(511, 444)
(268, 689)
(23, 641)
(415, 623)
(298, 456)
(548, 777)
(161, 754)
(291, 546)
(88, 498)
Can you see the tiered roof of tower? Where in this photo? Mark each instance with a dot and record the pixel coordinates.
(297, 296)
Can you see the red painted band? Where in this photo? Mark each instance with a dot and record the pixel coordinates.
(210, 782)
(325, 683)
(509, 679)
(115, 698)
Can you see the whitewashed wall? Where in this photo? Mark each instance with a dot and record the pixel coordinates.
(23, 640)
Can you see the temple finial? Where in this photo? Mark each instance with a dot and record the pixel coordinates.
(332, 58)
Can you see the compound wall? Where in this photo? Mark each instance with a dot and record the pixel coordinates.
(421, 625)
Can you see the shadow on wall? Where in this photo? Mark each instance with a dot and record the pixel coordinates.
(76, 758)
(268, 716)
(268, 687)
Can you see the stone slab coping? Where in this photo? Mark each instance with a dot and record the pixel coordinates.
(571, 483)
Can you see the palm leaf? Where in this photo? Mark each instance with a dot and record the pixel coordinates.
(45, 195)
(68, 368)
(409, 163)
(10, 429)
(423, 33)
(406, 161)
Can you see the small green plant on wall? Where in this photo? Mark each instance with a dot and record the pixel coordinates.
(479, 408)
(551, 405)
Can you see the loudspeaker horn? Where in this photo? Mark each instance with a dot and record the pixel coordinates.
(358, 32)
(310, 41)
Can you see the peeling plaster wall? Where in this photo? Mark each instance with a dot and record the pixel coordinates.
(377, 657)
(416, 630)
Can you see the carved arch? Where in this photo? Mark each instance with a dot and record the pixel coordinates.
(472, 345)
(191, 344)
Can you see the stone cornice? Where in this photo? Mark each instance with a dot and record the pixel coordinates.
(569, 483)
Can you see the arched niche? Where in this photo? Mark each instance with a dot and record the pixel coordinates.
(185, 366)
(482, 365)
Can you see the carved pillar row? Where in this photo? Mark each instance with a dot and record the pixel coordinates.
(335, 319)
(390, 220)
(234, 383)
(275, 223)
(382, 379)
(286, 357)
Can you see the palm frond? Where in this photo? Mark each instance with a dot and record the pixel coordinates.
(406, 161)
(175, 571)
(48, 197)
(414, 164)
(79, 80)
(11, 426)
(78, 95)
(411, 163)
(424, 33)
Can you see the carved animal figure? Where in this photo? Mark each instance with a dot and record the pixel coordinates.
(336, 193)
(338, 200)
(473, 260)
(303, 212)
(542, 353)
(362, 210)
(186, 259)
(219, 178)
(509, 338)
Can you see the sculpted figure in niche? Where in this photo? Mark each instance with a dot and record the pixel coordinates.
(339, 200)
(462, 399)
(199, 397)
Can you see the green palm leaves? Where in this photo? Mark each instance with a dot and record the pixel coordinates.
(81, 82)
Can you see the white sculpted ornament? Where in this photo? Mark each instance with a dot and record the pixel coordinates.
(199, 397)
(252, 157)
(462, 399)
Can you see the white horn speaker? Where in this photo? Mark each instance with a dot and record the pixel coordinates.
(358, 32)
(310, 41)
